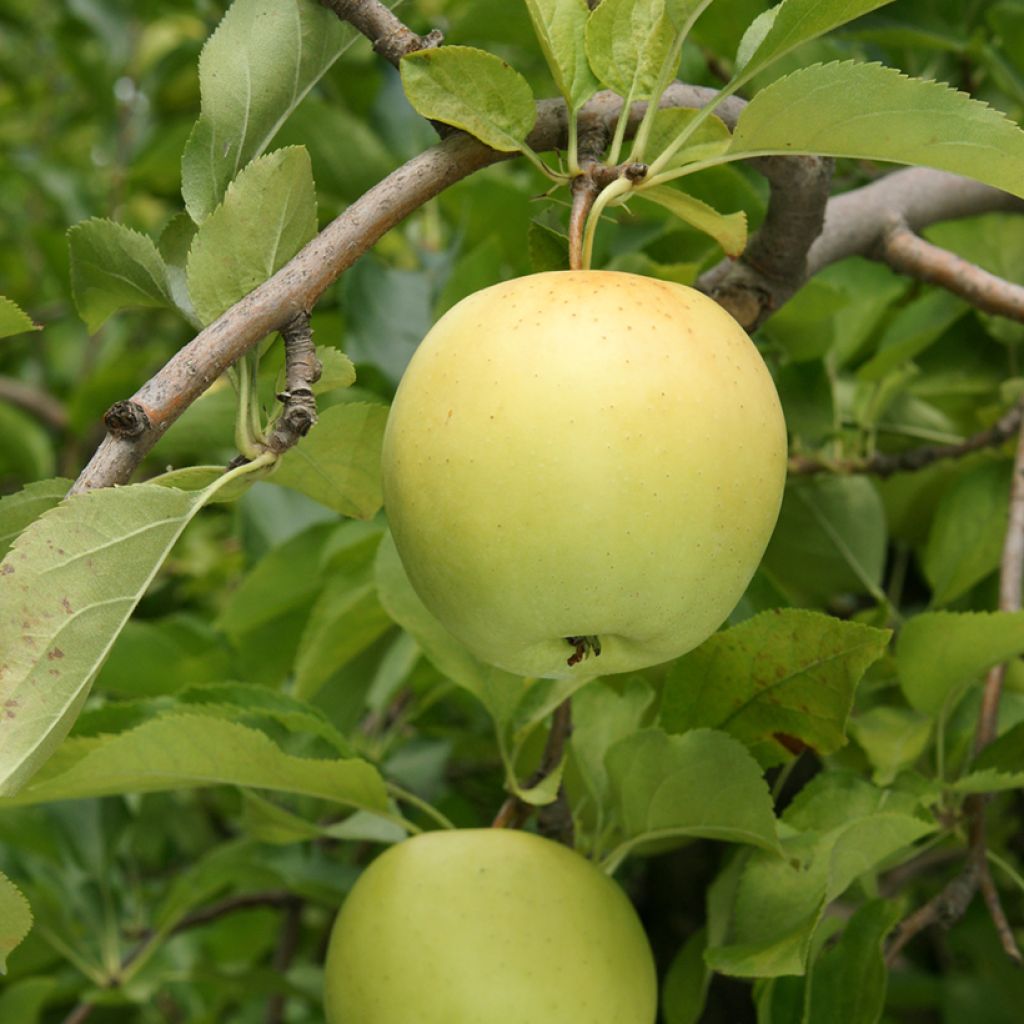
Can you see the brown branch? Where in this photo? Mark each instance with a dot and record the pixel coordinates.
(288, 943)
(907, 252)
(884, 464)
(41, 405)
(390, 37)
(302, 370)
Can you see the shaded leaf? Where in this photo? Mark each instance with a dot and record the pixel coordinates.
(67, 588)
(180, 750)
(873, 112)
(112, 268)
(338, 462)
(254, 70)
(14, 320)
(685, 987)
(778, 681)
(893, 739)
(729, 230)
(549, 250)
(472, 90)
(267, 216)
(702, 783)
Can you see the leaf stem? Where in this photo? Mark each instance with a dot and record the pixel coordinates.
(408, 797)
(619, 187)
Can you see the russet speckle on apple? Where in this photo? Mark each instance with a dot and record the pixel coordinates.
(582, 470)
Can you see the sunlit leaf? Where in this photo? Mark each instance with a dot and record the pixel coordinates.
(15, 919)
(14, 320)
(729, 230)
(560, 26)
(627, 43)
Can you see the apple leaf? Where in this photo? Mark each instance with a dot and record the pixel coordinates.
(702, 783)
(267, 216)
(173, 244)
(938, 654)
(254, 70)
(779, 681)
(999, 766)
(549, 250)
(112, 268)
(560, 26)
(15, 919)
(873, 112)
(710, 138)
(14, 320)
(472, 90)
(181, 750)
(893, 738)
(268, 822)
(627, 43)
(338, 462)
(336, 371)
(965, 542)
(780, 901)
(67, 587)
(782, 28)
(729, 230)
(20, 509)
(684, 990)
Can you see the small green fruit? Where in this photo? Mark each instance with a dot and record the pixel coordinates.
(487, 926)
(582, 462)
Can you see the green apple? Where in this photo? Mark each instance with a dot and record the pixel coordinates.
(580, 463)
(487, 926)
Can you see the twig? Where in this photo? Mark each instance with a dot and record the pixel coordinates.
(390, 37)
(43, 406)
(291, 931)
(514, 812)
(910, 254)
(884, 464)
(302, 370)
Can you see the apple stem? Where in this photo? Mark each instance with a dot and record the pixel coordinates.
(584, 647)
(584, 192)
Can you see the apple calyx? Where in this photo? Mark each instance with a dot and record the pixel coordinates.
(584, 647)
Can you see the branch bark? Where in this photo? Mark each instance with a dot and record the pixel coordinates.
(390, 37)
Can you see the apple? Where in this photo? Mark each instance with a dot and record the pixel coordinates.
(582, 469)
(487, 926)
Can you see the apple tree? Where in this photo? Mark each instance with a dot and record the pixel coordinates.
(578, 741)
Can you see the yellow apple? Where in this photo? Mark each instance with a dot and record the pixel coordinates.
(582, 470)
(487, 926)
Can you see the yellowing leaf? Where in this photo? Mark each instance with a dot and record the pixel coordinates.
(729, 230)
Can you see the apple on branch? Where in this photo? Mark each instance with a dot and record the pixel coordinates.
(582, 470)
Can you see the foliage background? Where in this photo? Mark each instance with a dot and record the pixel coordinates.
(97, 98)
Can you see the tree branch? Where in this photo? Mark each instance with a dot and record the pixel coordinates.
(41, 405)
(390, 37)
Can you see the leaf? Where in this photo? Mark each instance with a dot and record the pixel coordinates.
(472, 90)
(14, 320)
(67, 588)
(999, 766)
(338, 462)
(711, 137)
(729, 230)
(15, 919)
(702, 783)
(560, 26)
(254, 70)
(267, 216)
(628, 41)
(965, 542)
(336, 371)
(549, 250)
(873, 112)
(22, 1002)
(939, 653)
(23, 507)
(174, 243)
(784, 27)
(684, 990)
(113, 268)
(848, 981)
(778, 681)
(179, 750)
(893, 739)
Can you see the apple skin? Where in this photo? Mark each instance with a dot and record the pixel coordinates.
(487, 926)
(583, 454)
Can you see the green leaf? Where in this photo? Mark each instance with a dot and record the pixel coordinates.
(27, 451)
(267, 216)
(702, 783)
(873, 112)
(549, 250)
(15, 919)
(784, 27)
(14, 320)
(472, 90)
(113, 268)
(627, 43)
(560, 26)
(711, 137)
(254, 70)
(684, 991)
(965, 542)
(729, 230)
(336, 371)
(22, 1002)
(23, 507)
(893, 739)
(848, 981)
(778, 681)
(338, 462)
(268, 822)
(174, 243)
(67, 587)
(938, 654)
(181, 750)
